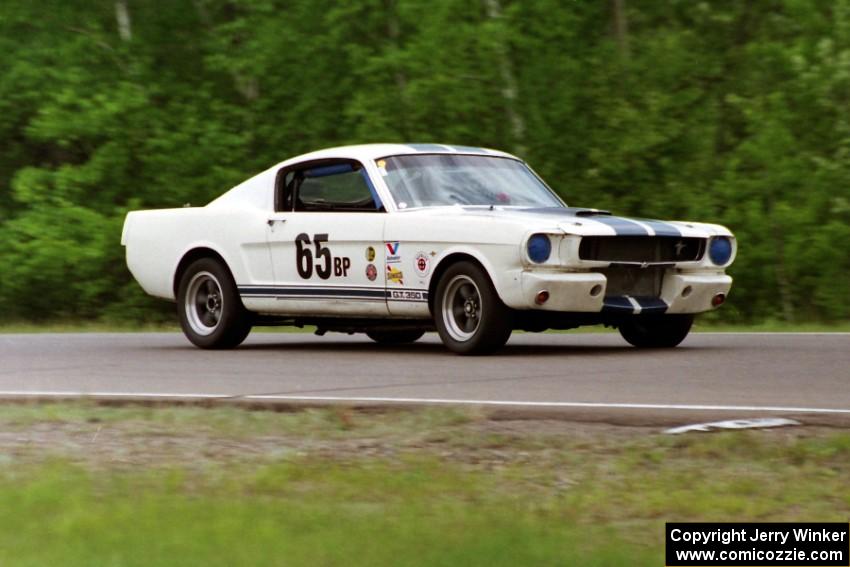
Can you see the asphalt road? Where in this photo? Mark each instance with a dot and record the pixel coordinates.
(594, 377)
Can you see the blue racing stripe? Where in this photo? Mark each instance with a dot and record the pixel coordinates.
(617, 304)
(469, 150)
(445, 148)
(428, 148)
(651, 304)
(314, 291)
(320, 292)
(662, 228)
(623, 227)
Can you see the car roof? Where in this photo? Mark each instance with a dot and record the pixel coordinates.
(253, 189)
(374, 151)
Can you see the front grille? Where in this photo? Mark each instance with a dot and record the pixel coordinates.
(633, 280)
(651, 249)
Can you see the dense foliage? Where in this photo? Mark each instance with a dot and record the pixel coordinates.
(724, 111)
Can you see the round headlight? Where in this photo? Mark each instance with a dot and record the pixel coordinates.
(539, 248)
(720, 250)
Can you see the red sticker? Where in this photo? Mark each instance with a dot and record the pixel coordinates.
(371, 272)
(422, 264)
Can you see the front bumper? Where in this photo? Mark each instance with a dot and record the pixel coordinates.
(586, 292)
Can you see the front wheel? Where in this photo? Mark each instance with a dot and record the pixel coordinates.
(656, 331)
(468, 314)
(211, 313)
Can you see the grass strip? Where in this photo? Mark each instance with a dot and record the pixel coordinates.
(83, 484)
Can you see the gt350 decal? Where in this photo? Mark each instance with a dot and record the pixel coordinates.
(330, 265)
(407, 295)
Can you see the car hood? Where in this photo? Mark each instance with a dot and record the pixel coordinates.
(586, 222)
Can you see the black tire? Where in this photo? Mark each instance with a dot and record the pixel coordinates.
(209, 307)
(469, 316)
(656, 331)
(395, 337)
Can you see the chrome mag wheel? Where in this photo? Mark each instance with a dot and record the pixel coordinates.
(462, 308)
(204, 303)
(468, 313)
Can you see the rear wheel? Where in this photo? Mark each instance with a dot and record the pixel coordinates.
(468, 314)
(211, 313)
(656, 331)
(394, 337)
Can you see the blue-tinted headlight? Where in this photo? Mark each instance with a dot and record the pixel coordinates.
(720, 250)
(539, 248)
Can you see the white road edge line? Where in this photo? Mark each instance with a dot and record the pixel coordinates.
(435, 401)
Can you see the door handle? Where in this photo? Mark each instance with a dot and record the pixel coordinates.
(273, 220)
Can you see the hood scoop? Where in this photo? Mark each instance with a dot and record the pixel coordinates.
(590, 212)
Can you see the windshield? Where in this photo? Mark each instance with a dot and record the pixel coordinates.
(447, 179)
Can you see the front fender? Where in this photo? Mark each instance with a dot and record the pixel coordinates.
(501, 262)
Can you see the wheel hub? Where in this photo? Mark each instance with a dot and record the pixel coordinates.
(461, 307)
(204, 303)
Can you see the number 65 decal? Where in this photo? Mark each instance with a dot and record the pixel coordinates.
(323, 262)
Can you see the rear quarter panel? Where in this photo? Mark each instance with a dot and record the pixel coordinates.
(157, 240)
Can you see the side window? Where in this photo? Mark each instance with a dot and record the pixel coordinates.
(336, 187)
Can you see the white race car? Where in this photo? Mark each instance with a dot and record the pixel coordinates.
(395, 240)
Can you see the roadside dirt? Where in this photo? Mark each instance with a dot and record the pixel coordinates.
(481, 440)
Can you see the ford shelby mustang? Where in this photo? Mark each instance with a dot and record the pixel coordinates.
(396, 240)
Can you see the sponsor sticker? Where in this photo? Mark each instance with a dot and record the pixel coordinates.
(393, 256)
(371, 272)
(395, 275)
(422, 264)
(370, 254)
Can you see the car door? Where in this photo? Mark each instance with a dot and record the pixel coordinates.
(326, 240)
